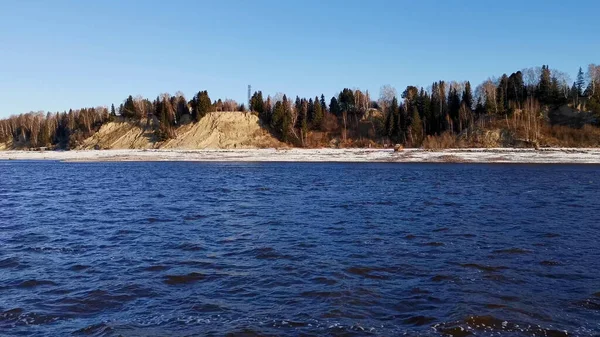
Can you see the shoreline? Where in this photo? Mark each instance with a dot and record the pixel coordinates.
(350, 155)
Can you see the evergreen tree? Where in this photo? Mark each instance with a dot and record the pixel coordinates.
(257, 102)
(194, 108)
(204, 104)
(391, 120)
(580, 82)
(403, 124)
(410, 95)
(416, 128)
(302, 120)
(265, 117)
(516, 91)
(346, 100)
(288, 123)
(181, 108)
(555, 96)
(318, 113)
(129, 110)
(112, 110)
(467, 96)
(334, 107)
(277, 119)
(545, 86)
(310, 110)
(502, 94)
(323, 104)
(480, 108)
(424, 106)
(453, 105)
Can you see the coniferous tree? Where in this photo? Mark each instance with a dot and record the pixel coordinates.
(467, 96)
(288, 122)
(580, 82)
(334, 107)
(453, 105)
(403, 125)
(391, 121)
(129, 110)
(310, 110)
(278, 118)
(257, 102)
(544, 85)
(416, 130)
(112, 110)
(203, 104)
(323, 104)
(502, 94)
(516, 91)
(346, 100)
(265, 117)
(317, 114)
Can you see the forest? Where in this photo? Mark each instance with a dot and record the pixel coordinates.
(532, 107)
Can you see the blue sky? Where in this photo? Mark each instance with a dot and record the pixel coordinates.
(63, 54)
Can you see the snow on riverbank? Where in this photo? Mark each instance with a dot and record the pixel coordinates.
(500, 155)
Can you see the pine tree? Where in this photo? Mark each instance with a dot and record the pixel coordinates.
(580, 82)
(318, 113)
(112, 110)
(334, 107)
(346, 100)
(555, 96)
(416, 128)
(288, 122)
(267, 114)
(502, 94)
(453, 104)
(277, 120)
(516, 91)
(544, 86)
(310, 110)
(129, 110)
(392, 119)
(323, 104)
(467, 96)
(203, 104)
(182, 108)
(257, 102)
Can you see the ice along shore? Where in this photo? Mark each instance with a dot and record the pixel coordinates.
(499, 155)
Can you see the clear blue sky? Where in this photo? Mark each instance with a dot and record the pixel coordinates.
(63, 54)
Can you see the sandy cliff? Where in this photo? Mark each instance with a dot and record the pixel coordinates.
(217, 130)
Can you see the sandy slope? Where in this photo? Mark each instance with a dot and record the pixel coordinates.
(217, 130)
(223, 130)
(503, 155)
(120, 136)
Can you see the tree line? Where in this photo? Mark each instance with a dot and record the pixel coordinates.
(352, 115)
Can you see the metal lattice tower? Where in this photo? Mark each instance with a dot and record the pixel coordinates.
(249, 95)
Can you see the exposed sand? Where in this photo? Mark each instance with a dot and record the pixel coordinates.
(501, 155)
(217, 130)
(223, 130)
(120, 135)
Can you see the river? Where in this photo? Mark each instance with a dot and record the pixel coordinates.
(289, 249)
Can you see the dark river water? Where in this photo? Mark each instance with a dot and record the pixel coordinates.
(294, 249)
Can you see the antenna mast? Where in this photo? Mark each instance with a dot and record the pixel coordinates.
(249, 95)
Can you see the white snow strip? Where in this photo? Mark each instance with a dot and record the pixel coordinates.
(500, 155)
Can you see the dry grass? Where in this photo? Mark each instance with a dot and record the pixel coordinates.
(446, 140)
(564, 136)
(499, 133)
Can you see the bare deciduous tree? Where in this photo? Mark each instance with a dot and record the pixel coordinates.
(386, 95)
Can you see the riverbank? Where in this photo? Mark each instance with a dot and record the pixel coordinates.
(500, 155)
